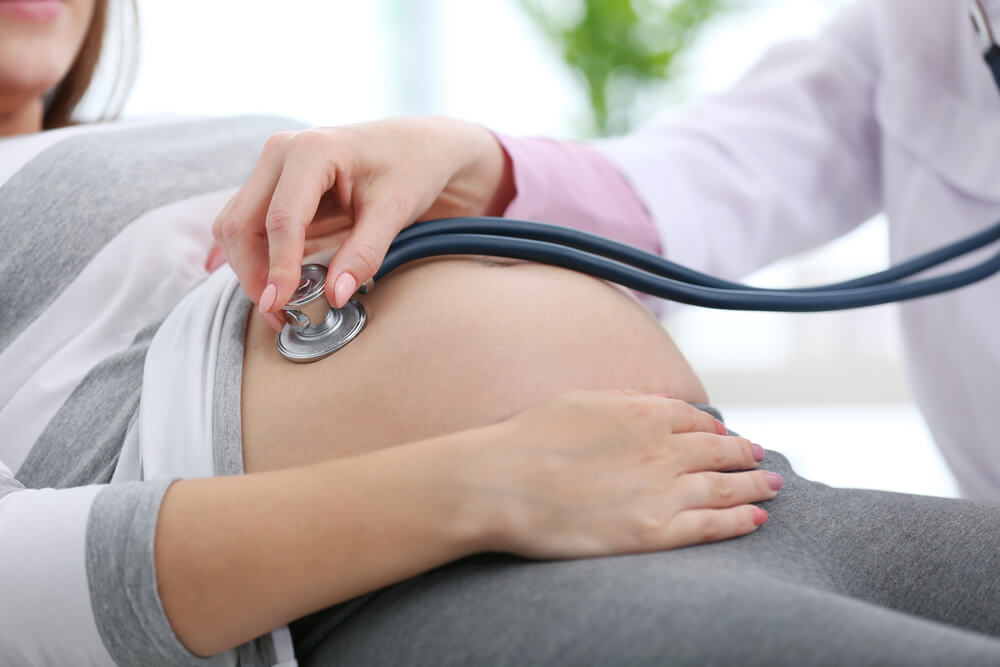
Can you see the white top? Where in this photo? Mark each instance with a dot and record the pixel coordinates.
(890, 108)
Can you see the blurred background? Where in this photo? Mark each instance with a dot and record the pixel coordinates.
(828, 390)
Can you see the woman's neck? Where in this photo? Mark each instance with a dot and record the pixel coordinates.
(22, 120)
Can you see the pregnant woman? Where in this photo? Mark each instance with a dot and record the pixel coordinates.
(440, 491)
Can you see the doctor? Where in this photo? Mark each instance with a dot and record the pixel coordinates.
(891, 108)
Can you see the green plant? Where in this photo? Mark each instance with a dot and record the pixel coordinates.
(620, 48)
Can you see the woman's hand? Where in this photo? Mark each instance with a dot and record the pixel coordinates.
(595, 474)
(361, 184)
(587, 474)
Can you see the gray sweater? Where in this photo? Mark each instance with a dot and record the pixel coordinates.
(64, 527)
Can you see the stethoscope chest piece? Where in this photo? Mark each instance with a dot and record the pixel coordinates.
(313, 328)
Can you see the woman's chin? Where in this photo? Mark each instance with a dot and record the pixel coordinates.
(26, 74)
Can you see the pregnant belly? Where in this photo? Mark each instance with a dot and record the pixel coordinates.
(451, 344)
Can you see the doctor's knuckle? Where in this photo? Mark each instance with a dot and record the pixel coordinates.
(278, 220)
(368, 256)
(306, 143)
(276, 142)
(227, 228)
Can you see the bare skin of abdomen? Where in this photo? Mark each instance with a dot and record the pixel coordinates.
(452, 344)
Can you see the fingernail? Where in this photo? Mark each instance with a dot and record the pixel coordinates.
(720, 427)
(267, 298)
(663, 395)
(344, 288)
(758, 451)
(216, 258)
(774, 480)
(759, 516)
(273, 321)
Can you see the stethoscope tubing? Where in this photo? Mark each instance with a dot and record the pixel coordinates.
(649, 273)
(647, 261)
(654, 275)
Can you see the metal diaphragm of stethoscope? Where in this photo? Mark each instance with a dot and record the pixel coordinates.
(315, 329)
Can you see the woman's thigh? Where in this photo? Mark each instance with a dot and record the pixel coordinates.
(835, 577)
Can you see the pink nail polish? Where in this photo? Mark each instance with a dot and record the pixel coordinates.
(774, 480)
(267, 298)
(344, 288)
(759, 516)
(758, 451)
(721, 428)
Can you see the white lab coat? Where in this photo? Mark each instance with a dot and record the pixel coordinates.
(890, 108)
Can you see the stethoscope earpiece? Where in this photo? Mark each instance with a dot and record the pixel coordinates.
(314, 329)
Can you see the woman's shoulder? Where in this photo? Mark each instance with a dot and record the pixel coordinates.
(72, 191)
(164, 156)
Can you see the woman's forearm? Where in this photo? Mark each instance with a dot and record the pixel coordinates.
(239, 556)
(582, 475)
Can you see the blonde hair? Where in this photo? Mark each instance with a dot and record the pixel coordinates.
(63, 100)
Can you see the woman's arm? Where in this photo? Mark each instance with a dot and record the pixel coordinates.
(588, 474)
(239, 556)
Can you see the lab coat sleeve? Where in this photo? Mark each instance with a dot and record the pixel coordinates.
(77, 577)
(785, 160)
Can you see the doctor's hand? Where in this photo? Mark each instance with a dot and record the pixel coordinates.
(602, 473)
(359, 184)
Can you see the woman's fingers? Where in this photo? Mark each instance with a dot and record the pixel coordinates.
(697, 452)
(698, 526)
(596, 450)
(685, 418)
(718, 490)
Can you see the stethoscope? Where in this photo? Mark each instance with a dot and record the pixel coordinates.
(314, 329)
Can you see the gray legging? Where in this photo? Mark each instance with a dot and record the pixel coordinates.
(835, 577)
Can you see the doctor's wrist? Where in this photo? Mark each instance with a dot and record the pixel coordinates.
(484, 175)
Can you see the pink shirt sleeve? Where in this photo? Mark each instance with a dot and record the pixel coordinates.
(573, 185)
